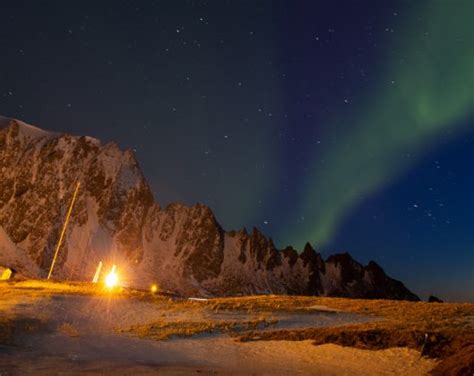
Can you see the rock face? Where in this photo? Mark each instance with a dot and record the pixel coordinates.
(116, 220)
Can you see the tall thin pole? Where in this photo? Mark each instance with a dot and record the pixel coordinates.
(64, 230)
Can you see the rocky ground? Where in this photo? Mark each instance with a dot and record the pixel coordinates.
(55, 328)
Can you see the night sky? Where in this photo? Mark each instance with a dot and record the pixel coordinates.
(345, 123)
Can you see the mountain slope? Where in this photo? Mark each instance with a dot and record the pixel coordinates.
(117, 221)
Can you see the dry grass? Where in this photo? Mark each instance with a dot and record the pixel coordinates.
(33, 289)
(162, 330)
(69, 330)
(435, 315)
(260, 303)
(38, 288)
(12, 290)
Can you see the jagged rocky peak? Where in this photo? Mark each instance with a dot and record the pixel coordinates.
(347, 277)
(22, 130)
(116, 220)
(39, 171)
(290, 254)
(310, 256)
(199, 239)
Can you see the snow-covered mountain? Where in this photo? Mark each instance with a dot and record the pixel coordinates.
(116, 220)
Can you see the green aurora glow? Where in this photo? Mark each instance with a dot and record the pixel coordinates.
(423, 94)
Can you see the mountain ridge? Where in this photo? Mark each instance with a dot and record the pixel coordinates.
(118, 221)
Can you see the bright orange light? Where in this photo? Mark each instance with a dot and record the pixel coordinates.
(154, 288)
(112, 279)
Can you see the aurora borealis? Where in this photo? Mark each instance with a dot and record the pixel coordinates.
(346, 124)
(424, 93)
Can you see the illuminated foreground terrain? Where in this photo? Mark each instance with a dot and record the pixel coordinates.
(56, 328)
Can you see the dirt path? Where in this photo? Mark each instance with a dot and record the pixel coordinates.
(80, 337)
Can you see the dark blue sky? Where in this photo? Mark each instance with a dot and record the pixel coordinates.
(242, 105)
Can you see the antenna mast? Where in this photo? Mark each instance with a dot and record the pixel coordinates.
(63, 230)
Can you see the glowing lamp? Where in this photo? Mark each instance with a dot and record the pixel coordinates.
(153, 288)
(111, 280)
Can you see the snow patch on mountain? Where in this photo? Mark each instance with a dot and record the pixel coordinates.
(26, 130)
(16, 257)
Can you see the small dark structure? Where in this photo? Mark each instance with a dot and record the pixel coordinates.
(434, 299)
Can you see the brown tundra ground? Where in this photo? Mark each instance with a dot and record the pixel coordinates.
(72, 328)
